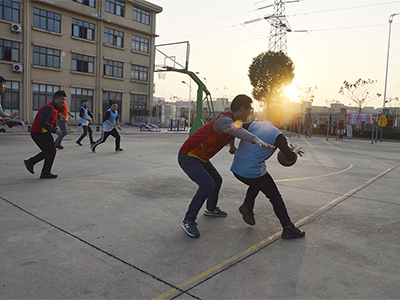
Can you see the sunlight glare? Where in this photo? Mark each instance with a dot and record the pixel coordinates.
(291, 92)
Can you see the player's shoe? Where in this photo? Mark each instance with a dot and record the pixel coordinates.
(291, 232)
(247, 214)
(215, 213)
(190, 228)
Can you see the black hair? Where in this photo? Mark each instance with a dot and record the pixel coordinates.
(239, 101)
(59, 94)
(2, 79)
(84, 100)
(114, 102)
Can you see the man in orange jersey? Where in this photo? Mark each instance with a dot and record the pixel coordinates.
(41, 133)
(197, 150)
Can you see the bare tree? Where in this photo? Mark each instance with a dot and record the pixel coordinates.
(306, 94)
(358, 92)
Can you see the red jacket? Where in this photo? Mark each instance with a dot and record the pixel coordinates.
(206, 141)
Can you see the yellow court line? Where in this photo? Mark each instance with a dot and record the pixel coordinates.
(275, 236)
(313, 177)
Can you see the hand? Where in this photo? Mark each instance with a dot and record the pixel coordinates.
(262, 144)
(119, 127)
(296, 149)
(14, 114)
(232, 150)
(58, 132)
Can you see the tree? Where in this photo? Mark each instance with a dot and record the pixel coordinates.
(306, 94)
(358, 92)
(269, 73)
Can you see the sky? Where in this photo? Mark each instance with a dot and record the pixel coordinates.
(345, 40)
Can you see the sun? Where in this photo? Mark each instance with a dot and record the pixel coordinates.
(291, 92)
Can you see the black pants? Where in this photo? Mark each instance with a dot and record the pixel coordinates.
(46, 143)
(266, 185)
(105, 135)
(86, 129)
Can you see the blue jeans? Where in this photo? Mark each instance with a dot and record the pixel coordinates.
(64, 131)
(208, 180)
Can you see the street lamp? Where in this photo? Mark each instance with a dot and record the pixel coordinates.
(190, 95)
(387, 61)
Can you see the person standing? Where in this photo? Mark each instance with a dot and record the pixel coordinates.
(41, 133)
(2, 90)
(196, 152)
(249, 166)
(84, 113)
(110, 124)
(61, 121)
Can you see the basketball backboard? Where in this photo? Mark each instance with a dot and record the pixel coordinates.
(172, 56)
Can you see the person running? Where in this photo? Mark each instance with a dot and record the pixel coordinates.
(84, 113)
(195, 154)
(2, 90)
(61, 121)
(109, 128)
(249, 167)
(41, 133)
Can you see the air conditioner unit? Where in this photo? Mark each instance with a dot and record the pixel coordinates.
(17, 68)
(15, 28)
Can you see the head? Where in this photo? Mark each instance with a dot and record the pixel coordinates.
(59, 98)
(2, 85)
(275, 115)
(114, 106)
(241, 107)
(85, 103)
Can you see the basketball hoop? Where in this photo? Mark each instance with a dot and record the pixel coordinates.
(161, 75)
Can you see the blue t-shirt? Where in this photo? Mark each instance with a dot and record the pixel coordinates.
(249, 160)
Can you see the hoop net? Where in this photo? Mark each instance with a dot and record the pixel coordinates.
(161, 75)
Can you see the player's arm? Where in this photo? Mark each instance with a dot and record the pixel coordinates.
(225, 124)
(289, 152)
(47, 111)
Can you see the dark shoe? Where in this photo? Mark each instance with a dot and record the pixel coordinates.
(247, 214)
(29, 167)
(79, 143)
(48, 176)
(59, 146)
(91, 148)
(291, 232)
(119, 149)
(190, 228)
(215, 213)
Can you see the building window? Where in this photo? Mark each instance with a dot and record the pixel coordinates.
(115, 7)
(46, 20)
(91, 3)
(42, 94)
(9, 10)
(46, 57)
(11, 97)
(77, 95)
(9, 50)
(113, 68)
(139, 73)
(141, 15)
(82, 29)
(113, 37)
(140, 44)
(82, 63)
(108, 98)
(138, 106)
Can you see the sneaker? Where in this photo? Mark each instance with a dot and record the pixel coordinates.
(119, 149)
(92, 149)
(59, 146)
(29, 167)
(215, 213)
(247, 214)
(79, 143)
(48, 176)
(291, 232)
(190, 228)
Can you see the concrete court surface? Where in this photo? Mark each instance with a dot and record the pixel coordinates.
(108, 226)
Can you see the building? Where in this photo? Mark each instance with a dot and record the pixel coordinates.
(99, 50)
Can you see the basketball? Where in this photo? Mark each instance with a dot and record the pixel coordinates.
(283, 161)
